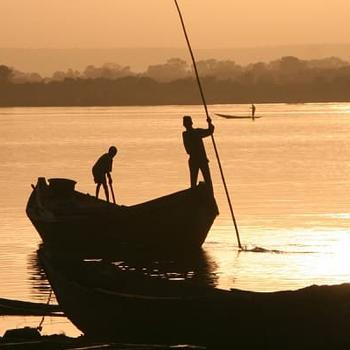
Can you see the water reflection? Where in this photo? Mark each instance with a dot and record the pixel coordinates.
(196, 267)
(40, 286)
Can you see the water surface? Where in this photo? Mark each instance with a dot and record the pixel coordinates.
(288, 175)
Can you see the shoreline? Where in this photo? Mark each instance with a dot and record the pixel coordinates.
(296, 102)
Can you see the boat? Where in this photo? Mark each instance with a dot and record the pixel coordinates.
(11, 307)
(68, 219)
(230, 116)
(109, 303)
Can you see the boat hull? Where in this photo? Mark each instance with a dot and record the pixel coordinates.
(128, 309)
(77, 221)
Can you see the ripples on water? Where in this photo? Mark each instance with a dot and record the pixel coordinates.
(288, 176)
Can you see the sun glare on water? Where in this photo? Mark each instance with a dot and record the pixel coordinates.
(335, 264)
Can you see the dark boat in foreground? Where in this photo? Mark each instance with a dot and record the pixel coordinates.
(69, 219)
(230, 116)
(109, 303)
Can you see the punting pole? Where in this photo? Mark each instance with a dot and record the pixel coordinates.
(207, 114)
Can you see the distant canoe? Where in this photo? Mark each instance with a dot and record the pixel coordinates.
(230, 116)
(69, 219)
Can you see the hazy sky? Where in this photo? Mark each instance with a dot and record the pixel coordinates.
(155, 23)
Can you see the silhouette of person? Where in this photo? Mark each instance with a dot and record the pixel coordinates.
(192, 139)
(253, 111)
(102, 170)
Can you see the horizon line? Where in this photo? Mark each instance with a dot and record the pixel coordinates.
(178, 47)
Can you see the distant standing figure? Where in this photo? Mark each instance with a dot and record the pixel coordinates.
(192, 139)
(253, 111)
(102, 170)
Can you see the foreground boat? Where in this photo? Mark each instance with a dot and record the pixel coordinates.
(68, 219)
(108, 303)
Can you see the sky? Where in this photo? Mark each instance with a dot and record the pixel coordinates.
(155, 23)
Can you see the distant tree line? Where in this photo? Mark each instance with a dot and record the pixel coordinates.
(288, 79)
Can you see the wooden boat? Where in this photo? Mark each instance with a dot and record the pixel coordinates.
(26, 308)
(68, 219)
(230, 116)
(129, 307)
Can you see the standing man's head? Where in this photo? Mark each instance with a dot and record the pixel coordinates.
(112, 151)
(187, 122)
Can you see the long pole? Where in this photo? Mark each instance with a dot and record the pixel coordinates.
(208, 117)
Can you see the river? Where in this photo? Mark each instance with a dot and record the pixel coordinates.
(288, 175)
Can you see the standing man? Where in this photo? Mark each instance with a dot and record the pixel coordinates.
(192, 139)
(253, 111)
(102, 170)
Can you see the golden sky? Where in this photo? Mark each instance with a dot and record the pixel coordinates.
(155, 23)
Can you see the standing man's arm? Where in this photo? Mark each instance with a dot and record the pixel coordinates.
(209, 131)
(210, 126)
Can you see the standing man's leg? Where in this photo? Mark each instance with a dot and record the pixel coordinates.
(194, 169)
(206, 175)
